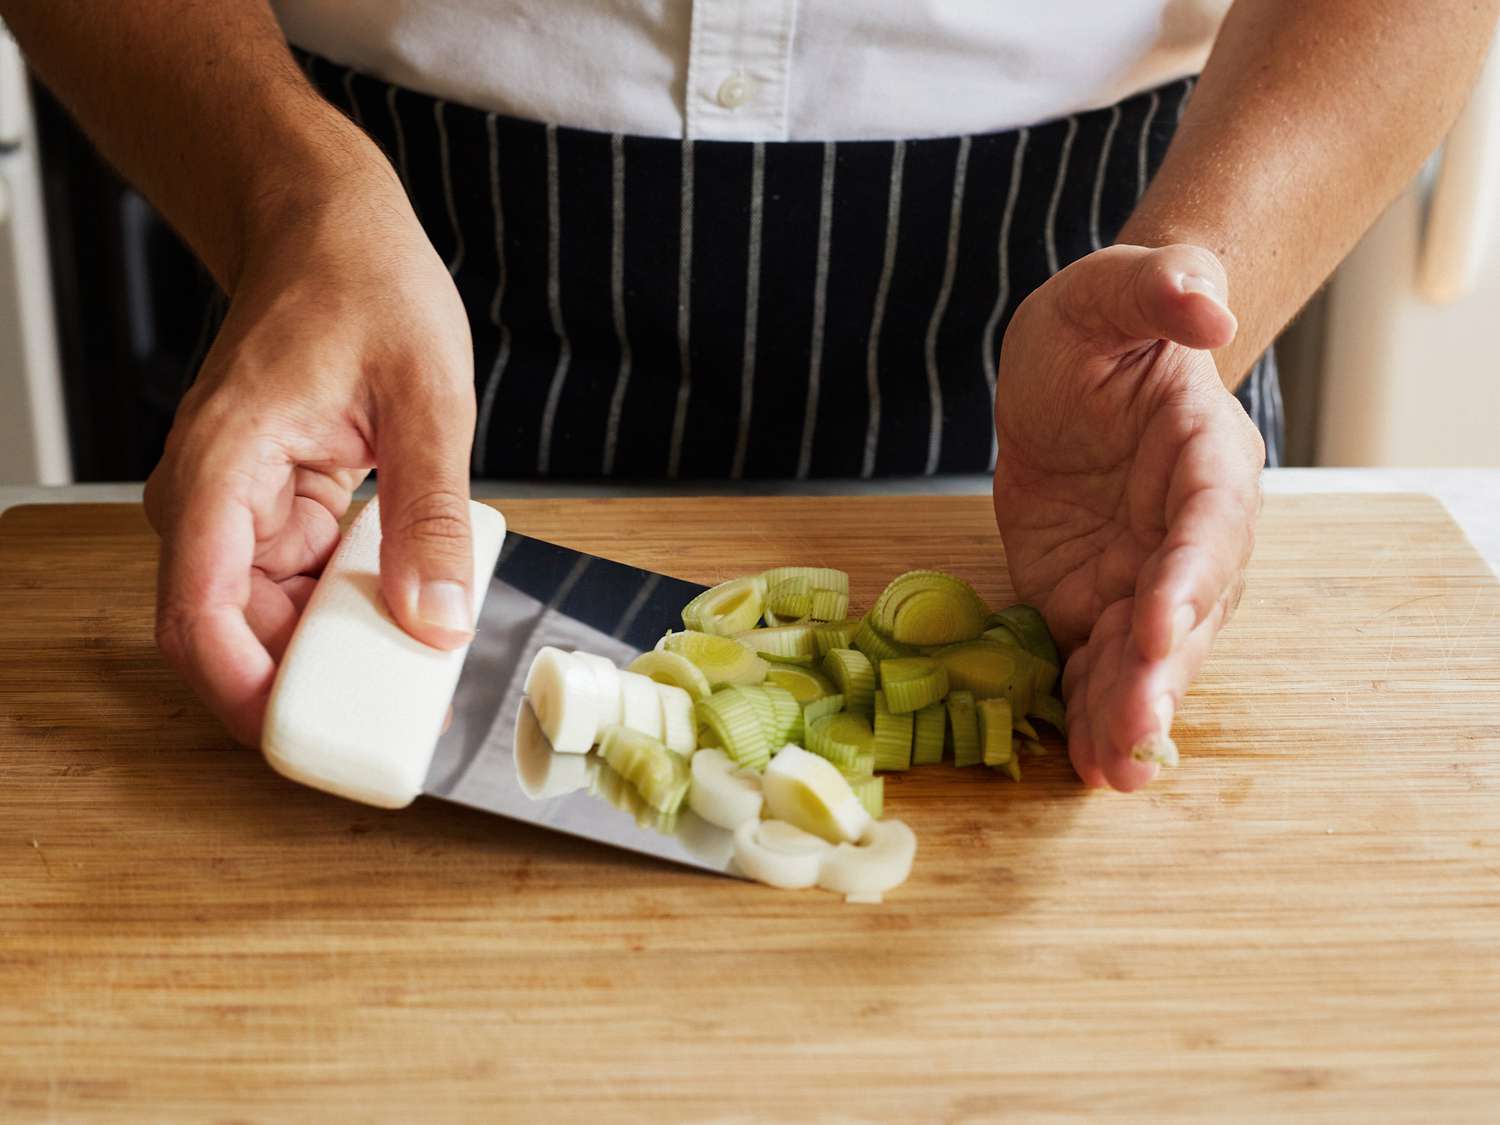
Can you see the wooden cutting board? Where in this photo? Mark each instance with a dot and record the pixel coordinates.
(1300, 922)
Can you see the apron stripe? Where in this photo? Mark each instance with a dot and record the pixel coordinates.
(617, 297)
(752, 307)
(819, 310)
(1095, 240)
(877, 317)
(1057, 190)
(684, 311)
(950, 268)
(457, 259)
(1143, 157)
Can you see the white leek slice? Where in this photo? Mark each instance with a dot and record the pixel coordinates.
(880, 861)
(779, 854)
(679, 722)
(607, 680)
(809, 792)
(642, 704)
(722, 793)
(564, 695)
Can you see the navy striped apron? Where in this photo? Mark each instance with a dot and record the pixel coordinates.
(648, 308)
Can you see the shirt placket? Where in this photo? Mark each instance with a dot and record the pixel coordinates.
(739, 69)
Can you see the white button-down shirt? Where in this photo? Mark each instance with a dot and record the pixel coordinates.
(767, 69)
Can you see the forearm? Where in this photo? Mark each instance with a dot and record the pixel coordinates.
(1308, 120)
(200, 104)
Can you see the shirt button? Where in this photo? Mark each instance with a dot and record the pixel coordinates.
(734, 91)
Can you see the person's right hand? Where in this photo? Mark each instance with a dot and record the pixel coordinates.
(346, 347)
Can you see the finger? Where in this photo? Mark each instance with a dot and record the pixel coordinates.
(1133, 726)
(1212, 506)
(426, 553)
(1129, 295)
(204, 587)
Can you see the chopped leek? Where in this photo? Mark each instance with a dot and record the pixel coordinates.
(805, 684)
(871, 794)
(674, 669)
(735, 723)
(779, 854)
(877, 646)
(841, 738)
(893, 735)
(659, 776)
(807, 791)
(855, 677)
(927, 607)
(964, 722)
(722, 793)
(927, 738)
(879, 862)
(722, 660)
(1030, 628)
(912, 682)
(729, 607)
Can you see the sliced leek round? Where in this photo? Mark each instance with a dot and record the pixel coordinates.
(879, 862)
(912, 682)
(722, 792)
(722, 660)
(893, 735)
(931, 723)
(679, 719)
(855, 677)
(729, 607)
(779, 854)
(658, 775)
(642, 704)
(806, 791)
(674, 669)
(564, 695)
(607, 681)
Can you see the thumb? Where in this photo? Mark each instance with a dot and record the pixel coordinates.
(1123, 296)
(426, 551)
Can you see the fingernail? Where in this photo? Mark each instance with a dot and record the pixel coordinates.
(1165, 713)
(1183, 622)
(1197, 283)
(446, 605)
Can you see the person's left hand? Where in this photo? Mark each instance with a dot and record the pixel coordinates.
(1127, 488)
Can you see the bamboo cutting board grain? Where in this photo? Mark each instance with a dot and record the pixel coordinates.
(1301, 922)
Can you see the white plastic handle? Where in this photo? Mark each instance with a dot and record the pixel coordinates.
(1462, 209)
(358, 704)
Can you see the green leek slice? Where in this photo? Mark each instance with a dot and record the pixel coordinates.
(783, 640)
(927, 607)
(855, 677)
(805, 684)
(877, 646)
(893, 735)
(673, 669)
(806, 791)
(729, 607)
(963, 720)
(835, 634)
(1050, 710)
(722, 660)
(841, 738)
(735, 723)
(927, 737)
(912, 682)
(659, 776)
(1030, 628)
(871, 794)
(995, 741)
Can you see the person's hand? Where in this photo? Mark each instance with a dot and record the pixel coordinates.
(346, 347)
(1127, 487)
